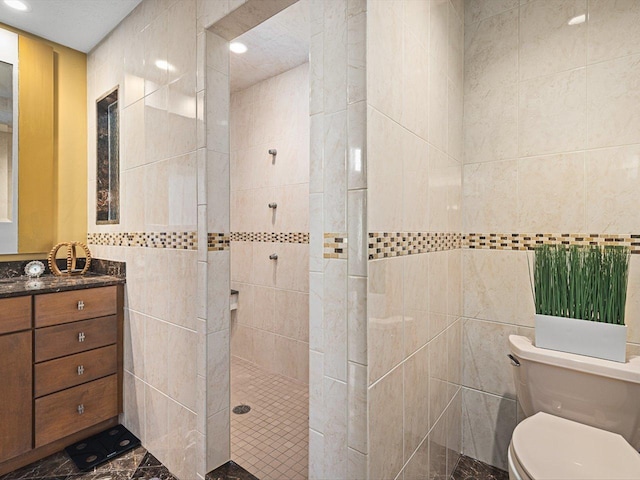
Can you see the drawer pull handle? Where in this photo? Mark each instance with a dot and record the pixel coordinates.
(80, 305)
(80, 409)
(80, 369)
(81, 337)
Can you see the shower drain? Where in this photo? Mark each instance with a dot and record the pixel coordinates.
(241, 409)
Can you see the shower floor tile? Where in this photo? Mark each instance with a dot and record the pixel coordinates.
(272, 440)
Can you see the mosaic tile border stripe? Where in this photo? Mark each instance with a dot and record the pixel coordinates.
(528, 241)
(287, 237)
(336, 246)
(397, 244)
(174, 240)
(218, 242)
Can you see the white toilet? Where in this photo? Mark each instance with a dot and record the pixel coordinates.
(583, 416)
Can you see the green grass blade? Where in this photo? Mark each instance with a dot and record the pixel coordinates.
(587, 282)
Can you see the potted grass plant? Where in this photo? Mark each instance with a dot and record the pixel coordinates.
(580, 294)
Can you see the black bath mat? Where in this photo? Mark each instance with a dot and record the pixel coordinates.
(102, 447)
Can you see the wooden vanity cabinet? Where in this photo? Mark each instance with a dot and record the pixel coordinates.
(64, 307)
(61, 375)
(15, 377)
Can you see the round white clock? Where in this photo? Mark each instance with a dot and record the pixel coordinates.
(34, 269)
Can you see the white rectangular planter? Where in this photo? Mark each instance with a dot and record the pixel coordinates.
(594, 339)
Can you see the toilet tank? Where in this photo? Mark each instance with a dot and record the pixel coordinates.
(587, 390)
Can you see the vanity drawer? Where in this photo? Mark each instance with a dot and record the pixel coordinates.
(75, 409)
(64, 307)
(15, 314)
(61, 340)
(73, 370)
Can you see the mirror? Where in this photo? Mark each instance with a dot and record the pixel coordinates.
(48, 185)
(8, 142)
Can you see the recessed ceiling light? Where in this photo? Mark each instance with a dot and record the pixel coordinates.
(164, 65)
(17, 5)
(578, 19)
(237, 47)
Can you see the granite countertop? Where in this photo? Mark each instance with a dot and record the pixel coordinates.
(19, 286)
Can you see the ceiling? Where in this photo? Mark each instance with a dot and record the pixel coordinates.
(79, 24)
(275, 46)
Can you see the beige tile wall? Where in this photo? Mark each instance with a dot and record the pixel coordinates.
(159, 122)
(551, 143)
(151, 102)
(526, 132)
(414, 302)
(337, 185)
(175, 178)
(214, 216)
(271, 325)
(214, 166)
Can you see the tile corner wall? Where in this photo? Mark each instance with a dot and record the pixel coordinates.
(414, 289)
(394, 164)
(156, 235)
(338, 270)
(551, 142)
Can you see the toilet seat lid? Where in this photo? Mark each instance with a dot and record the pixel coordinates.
(550, 447)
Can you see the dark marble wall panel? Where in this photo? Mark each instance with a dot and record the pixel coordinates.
(108, 160)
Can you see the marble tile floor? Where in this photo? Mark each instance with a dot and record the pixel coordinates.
(272, 440)
(230, 471)
(466, 469)
(137, 464)
(471, 469)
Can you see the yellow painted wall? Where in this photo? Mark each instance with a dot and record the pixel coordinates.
(69, 198)
(36, 157)
(71, 115)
